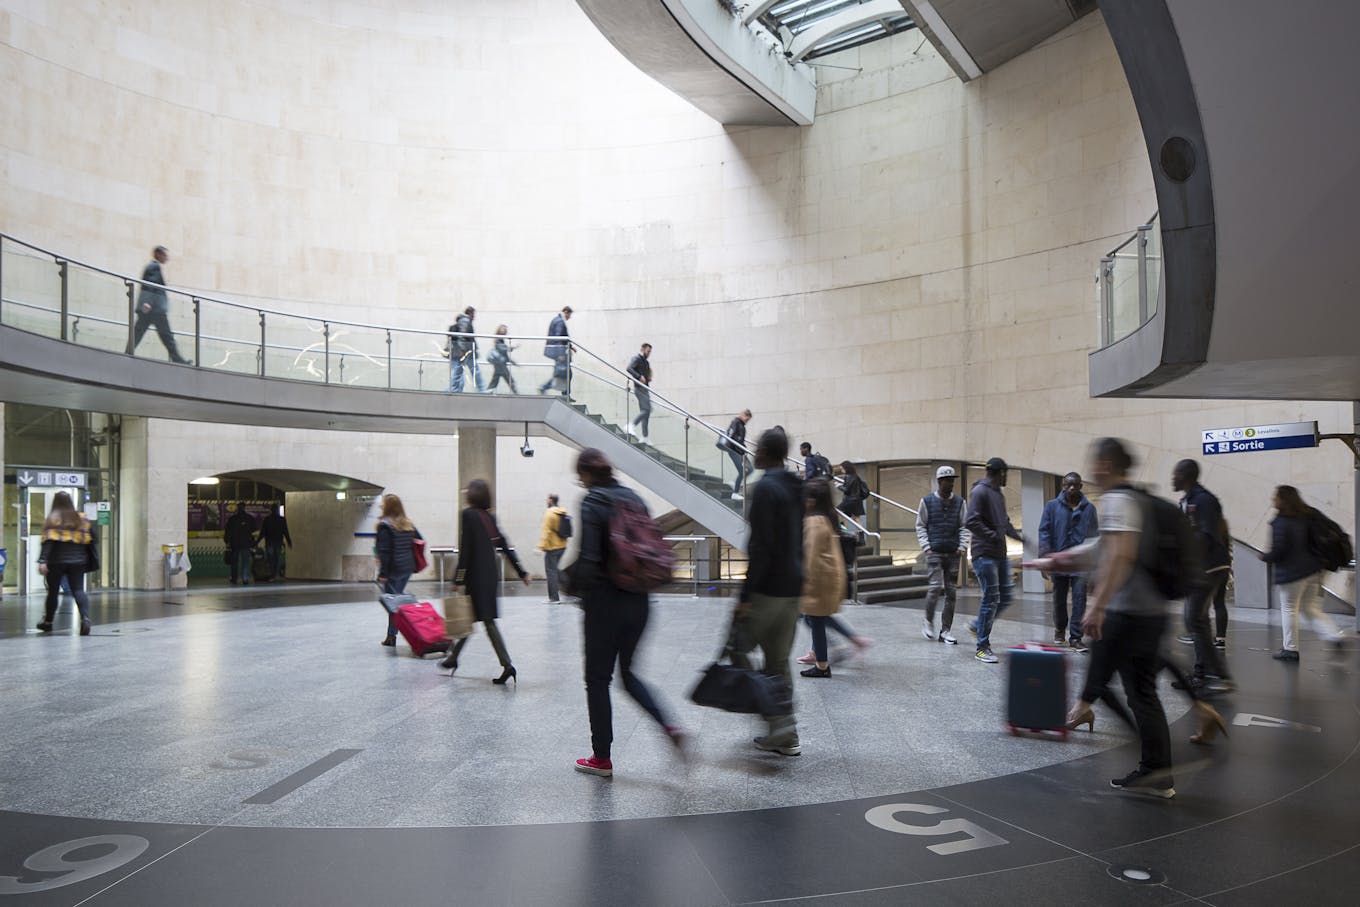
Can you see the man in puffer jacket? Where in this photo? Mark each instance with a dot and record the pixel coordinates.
(990, 526)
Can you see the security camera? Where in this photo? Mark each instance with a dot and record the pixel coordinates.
(525, 450)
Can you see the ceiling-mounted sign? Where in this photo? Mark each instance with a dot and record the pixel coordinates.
(47, 477)
(1253, 438)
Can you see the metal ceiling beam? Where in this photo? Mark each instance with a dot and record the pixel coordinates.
(848, 20)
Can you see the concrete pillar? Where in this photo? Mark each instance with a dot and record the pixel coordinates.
(1355, 531)
(1033, 496)
(476, 458)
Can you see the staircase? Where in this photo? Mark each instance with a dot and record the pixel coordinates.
(881, 582)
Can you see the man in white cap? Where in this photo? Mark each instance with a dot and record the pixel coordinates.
(943, 537)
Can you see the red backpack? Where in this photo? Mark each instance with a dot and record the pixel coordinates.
(639, 559)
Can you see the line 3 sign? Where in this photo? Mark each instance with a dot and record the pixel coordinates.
(1253, 438)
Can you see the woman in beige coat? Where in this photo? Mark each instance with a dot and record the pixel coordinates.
(823, 570)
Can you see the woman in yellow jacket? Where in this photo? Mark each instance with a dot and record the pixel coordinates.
(823, 569)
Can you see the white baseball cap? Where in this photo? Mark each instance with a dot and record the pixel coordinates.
(945, 472)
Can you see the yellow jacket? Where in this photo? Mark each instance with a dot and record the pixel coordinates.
(823, 568)
(548, 539)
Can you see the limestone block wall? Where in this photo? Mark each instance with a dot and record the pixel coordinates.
(909, 278)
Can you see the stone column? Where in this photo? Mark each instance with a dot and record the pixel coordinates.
(1033, 496)
(476, 459)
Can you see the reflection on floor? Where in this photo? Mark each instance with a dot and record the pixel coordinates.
(270, 751)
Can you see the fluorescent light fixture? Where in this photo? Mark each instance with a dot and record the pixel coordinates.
(339, 495)
(206, 480)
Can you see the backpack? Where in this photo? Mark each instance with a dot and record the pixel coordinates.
(639, 559)
(1170, 548)
(821, 467)
(563, 526)
(1328, 541)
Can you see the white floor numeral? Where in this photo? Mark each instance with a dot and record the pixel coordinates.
(126, 848)
(978, 838)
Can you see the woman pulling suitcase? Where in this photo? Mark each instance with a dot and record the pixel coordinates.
(396, 557)
(479, 538)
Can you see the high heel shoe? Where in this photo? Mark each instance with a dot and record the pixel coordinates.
(449, 662)
(1081, 715)
(1210, 724)
(508, 674)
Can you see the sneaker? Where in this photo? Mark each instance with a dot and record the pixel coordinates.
(1142, 781)
(946, 636)
(592, 766)
(985, 656)
(1220, 642)
(1286, 655)
(815, 671)
(1077, 646)
(1187, 639)
(630, 431)
(972, 628)
(45, 626)
(1217, 686)
(738, 496)
(927, 628)
(809, 659)
(784, 749)
(1059, 639)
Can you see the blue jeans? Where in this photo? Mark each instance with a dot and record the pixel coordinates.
(994, 577)
(743, 469)
(242, 559)
(468, 362)
(394, 585)
(1061, 586)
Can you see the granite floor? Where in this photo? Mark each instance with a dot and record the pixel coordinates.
(264, 730)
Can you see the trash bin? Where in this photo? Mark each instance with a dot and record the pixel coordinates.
(174, 562)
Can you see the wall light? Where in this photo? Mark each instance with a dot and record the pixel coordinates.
(206, 480)
(339, 495)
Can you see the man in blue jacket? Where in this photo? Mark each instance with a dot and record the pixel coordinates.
(1069, 519)
(558, 349)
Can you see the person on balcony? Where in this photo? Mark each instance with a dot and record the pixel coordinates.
(462, 352)
(733, 443)
(500, 361)
(640, 370)
(153, 310)
(558, 349)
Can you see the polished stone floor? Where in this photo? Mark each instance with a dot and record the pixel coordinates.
(264, 748)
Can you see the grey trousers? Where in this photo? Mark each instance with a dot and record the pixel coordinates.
(771, 624)
(944, 577)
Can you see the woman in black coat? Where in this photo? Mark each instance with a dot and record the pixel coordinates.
(395, 548)
(614, 618)
(68, 551)
(1298, 572)
(479, 537)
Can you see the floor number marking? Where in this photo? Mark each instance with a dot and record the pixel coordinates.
(977, 837)
(126, 848)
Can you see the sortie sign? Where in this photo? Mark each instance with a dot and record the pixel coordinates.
(1253, 438)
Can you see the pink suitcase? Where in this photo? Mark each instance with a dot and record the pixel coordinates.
(423, 627)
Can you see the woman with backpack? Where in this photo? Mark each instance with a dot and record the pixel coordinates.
(1298, 570)
(396, 555)
(69, 551)
(479, 538)
(614, 618)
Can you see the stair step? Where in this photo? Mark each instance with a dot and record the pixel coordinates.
(874, 560)
(894, 570)
(893, 582)
(892, 596)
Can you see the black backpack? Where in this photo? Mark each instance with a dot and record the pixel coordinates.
(1328, 541)
(821, 467)
(1170, 548)
(563, 526)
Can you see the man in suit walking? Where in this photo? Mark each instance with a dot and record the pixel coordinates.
(153, 309)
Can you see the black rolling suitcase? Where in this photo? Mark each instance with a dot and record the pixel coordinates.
(1036, 697)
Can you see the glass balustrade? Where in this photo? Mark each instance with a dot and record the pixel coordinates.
(30, 290)
(96, 309)
(1129, 283)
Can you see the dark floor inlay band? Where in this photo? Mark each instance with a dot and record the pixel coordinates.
(276, 792)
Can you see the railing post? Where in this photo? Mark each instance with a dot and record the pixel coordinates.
(132, 317)
(2, 280)
(389, 360)
(1142, 274)
(198, 331)
(326, 333)
(1107, 296)
(262, 344)
(61, 264)
(687, 450)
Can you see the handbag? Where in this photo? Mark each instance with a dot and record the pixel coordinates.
(418, 554)
(91, 558)
(458, 616)
(742, 690)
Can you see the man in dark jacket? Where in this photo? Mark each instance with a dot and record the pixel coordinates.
(274, 532)
(558, 349)
(769, 602)
(990, 525)
(734, 443)
(462, 352)
(815, 466)
(1206, 515)
(640, 370)
(153, 309)
(239, 535)
(1068, 520)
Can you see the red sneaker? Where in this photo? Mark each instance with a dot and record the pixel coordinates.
(592, 766)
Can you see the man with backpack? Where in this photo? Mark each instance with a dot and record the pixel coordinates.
(1126, 615)
(768, 607)
(552, 542)
(462, 352)
(1206, 516)
(815, 466)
